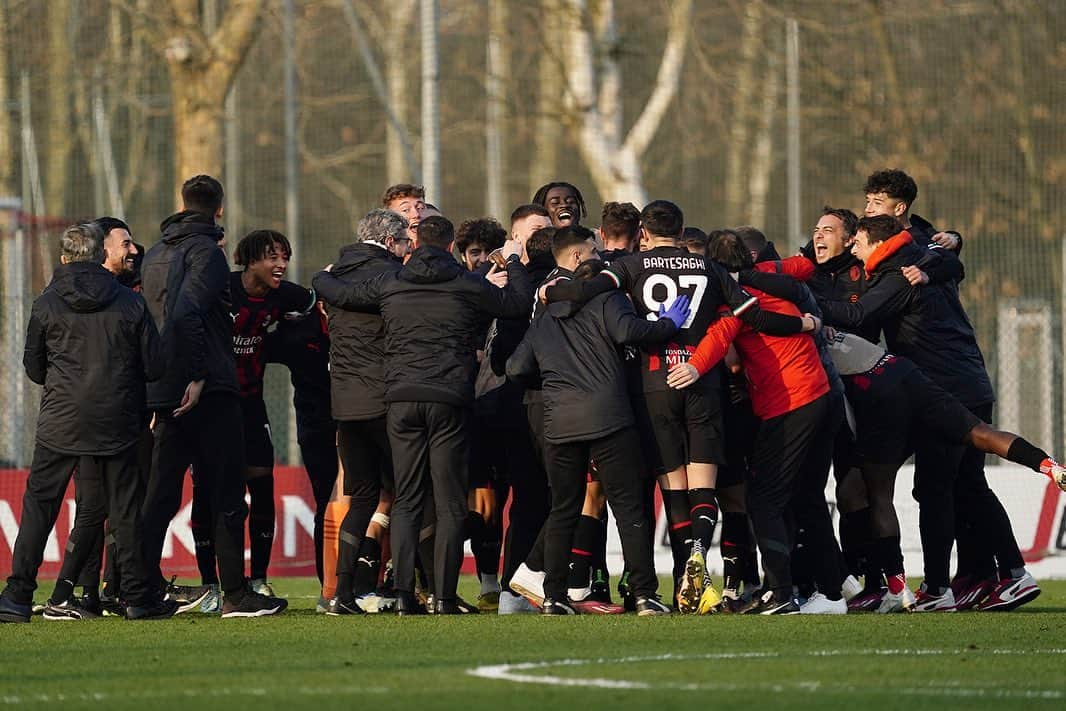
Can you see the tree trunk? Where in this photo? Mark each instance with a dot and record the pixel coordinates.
(202, 68)
(737, 150)
(615, 163)
(7, 153)
(762, 154)
(398, 156)
(498, 69)
(59, 136)
(547, 129)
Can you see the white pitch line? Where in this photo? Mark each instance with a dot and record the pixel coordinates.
(257, 692)
(516, 673)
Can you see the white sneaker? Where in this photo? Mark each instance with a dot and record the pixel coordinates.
(903, 602)
(578, 594)
(529, 584)
(850, 588)
(819, 604)
(924, 601)
(322, 606)
(511, 604)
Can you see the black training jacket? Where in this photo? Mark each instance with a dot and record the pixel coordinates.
(185, 280)
(357, 339)
(926, 324)
(433, 308)
(572, 351)
(91, 343)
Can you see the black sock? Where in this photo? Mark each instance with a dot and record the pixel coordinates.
(1023, 452)
(484, 543)
(348, 543)
(586, 538)
(63, 591)
(201, 528)
(261, 523)
(679, 528)
(367, 567)
(91, 593)
(889, 555)
(856, 540)
(703, 513)
(735, 546)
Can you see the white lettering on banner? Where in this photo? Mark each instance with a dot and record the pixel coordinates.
(10, 528)
(180, 528)
(294, 510)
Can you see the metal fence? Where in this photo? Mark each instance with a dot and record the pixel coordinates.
(964, 95)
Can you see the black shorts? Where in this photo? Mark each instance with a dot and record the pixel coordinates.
(687, 425)
(363, 446)
(258, 446)
(893, 405)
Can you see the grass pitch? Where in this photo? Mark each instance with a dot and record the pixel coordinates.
(303, 660)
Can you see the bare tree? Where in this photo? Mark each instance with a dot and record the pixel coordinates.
(59, 136)
(202, 66)
(400, 164)
(739, 133)
(547, 130)
(498, 68)
(593, 95)
(7, 153)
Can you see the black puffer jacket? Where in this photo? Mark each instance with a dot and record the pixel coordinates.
(926, 324)
(92, 344)
(432, 309)
(357, 339)
(572, 351)
(185, 280)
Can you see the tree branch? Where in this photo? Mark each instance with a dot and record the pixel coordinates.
(666, 82)
(232, 40)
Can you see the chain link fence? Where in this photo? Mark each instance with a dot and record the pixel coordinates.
(964, 95)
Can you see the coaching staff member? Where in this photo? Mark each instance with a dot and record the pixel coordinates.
(432, 309)
(198, 417)
(92, 345)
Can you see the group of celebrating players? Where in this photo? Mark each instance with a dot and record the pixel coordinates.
(447, 370)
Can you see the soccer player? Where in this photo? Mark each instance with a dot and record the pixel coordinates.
(527, 219)
(563, 201)
(619, 230)
(198, 415)
(408, 201)
(686, 425)
(694, 240)
(302, 346)
(893, 192)
(260, 299)
(572, 349)
(431, 310)
(91, 343)
(789, 393)
(893, 400)
(928, 325)
(475, 239)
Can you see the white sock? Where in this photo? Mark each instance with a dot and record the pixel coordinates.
(489, 583)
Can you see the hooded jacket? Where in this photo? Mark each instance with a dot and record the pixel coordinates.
(92, 344)
(185, 281)
(573, 352)
(357, 339)
(432, 309)
(926, 324)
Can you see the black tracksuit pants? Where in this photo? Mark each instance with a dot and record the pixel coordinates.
(210, 437)
(618, 460)
(530, 499)
(95, 537)
(429, 453)
(102, 485)
(781, 447)
(319, 452)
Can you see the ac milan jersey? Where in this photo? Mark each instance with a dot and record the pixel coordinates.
(254, 317)
(655, 278)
